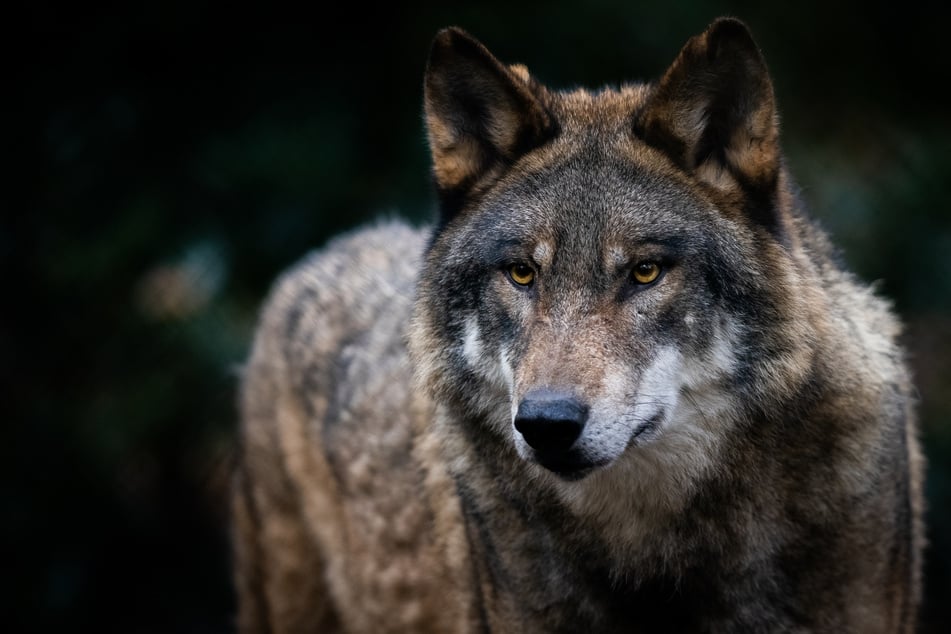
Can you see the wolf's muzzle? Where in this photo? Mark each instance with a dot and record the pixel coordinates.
(550, 421)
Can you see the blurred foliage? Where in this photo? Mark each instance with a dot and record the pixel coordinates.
(167, 160)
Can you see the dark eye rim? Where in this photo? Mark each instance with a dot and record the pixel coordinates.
(508, 270)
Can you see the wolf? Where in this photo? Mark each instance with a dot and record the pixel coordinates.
(624, 383)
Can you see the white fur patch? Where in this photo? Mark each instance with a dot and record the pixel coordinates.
(472, 342)
(496, 369)
(507, 373)
(659, 386)
(615, 257)
(702, 378)
(543, 254)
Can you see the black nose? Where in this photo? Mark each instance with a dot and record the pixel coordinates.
(550, 421)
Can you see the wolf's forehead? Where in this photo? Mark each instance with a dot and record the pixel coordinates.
(590, 212)
(594, 188)
(584, 210)
(581, 109)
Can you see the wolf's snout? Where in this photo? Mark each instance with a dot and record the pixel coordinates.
(550, 421)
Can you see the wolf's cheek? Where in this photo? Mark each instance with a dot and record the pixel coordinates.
(635, 407)
(490, 362)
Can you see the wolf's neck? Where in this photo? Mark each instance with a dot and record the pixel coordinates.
(621, 529)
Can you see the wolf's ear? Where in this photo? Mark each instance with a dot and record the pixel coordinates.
(481, 115)
(714, 114)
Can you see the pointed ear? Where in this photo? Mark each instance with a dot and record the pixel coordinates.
(714, 114)
(481, 115)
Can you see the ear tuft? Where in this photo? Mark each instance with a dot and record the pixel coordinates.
(481, 115)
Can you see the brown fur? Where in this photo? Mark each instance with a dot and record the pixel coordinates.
(750, 460)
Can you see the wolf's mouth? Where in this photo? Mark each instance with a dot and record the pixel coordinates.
(647, 428)
(571, 466)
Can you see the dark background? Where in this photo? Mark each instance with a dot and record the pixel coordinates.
(166, 160)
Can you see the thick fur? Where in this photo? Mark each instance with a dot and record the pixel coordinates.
(748, 460)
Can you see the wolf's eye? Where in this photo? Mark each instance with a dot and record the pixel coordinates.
(645, 272)
(521, 274)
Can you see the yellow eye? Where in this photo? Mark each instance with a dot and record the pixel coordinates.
(521, 274)
(645, 272)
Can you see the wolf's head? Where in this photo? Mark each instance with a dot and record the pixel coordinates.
(612, 270)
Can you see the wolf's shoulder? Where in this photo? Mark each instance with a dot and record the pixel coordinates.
(356, 290)
(353, 279)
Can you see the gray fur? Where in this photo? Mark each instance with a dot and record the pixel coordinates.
(749, 460)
